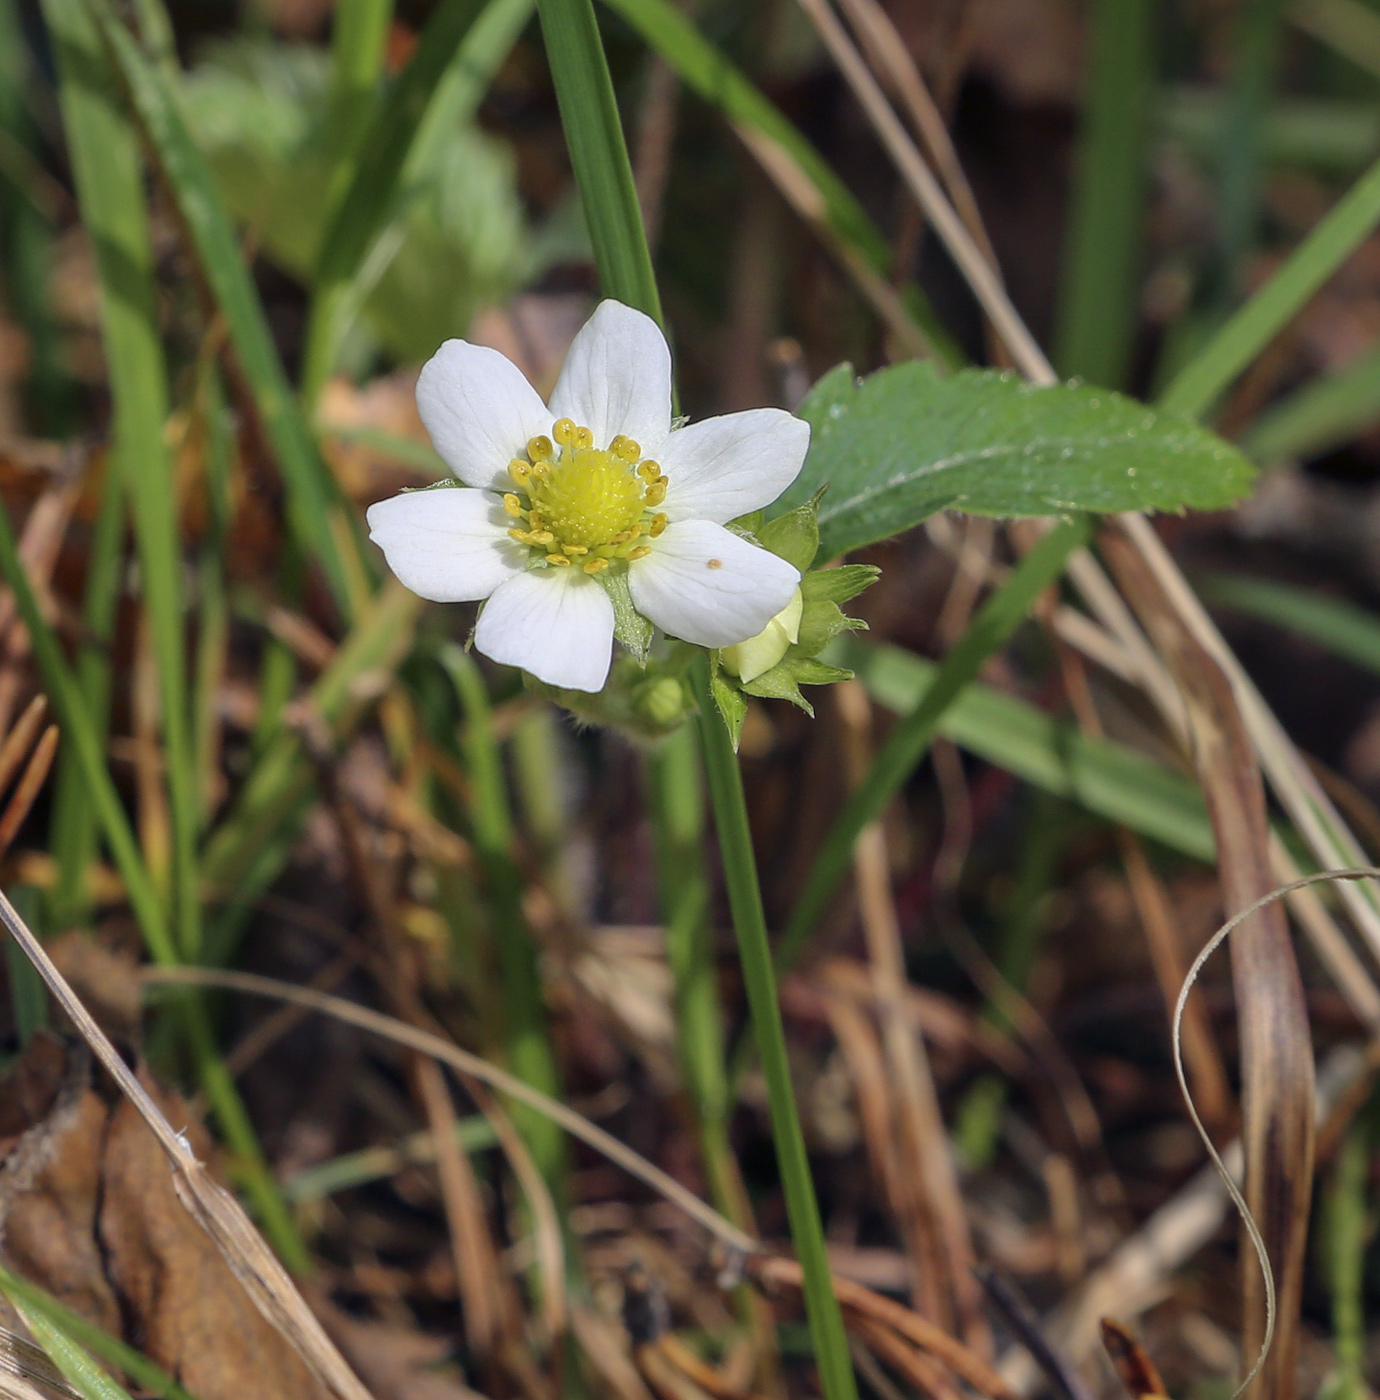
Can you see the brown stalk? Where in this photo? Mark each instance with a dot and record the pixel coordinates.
(1276, 1046)
(29, 786)
(218, 1212)
(20, 739)
(908, 1361)
(1211, 1089)
(930, 1205)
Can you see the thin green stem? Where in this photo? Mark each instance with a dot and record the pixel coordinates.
(759, 979)
(908, 743)
(1345, 1236)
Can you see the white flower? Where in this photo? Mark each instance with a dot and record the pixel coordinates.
(554, 496)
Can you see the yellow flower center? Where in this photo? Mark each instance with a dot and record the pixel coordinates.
(584, 504)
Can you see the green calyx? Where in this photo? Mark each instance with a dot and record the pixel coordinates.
(793, 537)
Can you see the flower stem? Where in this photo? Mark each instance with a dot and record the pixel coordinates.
(759, 978)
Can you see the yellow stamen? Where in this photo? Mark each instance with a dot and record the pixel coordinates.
(584, 438)
(649, 471)
(641, 552)
(563, 430)
(521, 536)
(539, 448)
(625, 448)
(659, 523)
(542, 537)
(557, 559)
(519, 471)
(575, 548)
(512, 505)
(596, 566)
(656, 492)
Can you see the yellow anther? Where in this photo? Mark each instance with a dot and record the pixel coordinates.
(641, 552)
(537, 519)
(596, 566)
(542, 537)
(649, 471)
(520, 471)
(521, 536)
(625, 448)
(656, 492)
(557, 559)
(512, 505)
(583, 438)
(564, 430)
(622, 537)
(539, 448)
(659, 523)
(575, 548)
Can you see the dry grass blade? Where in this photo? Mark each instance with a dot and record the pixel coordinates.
(471, 1067)
(20, 739)
(21, 1362)
(1133, 1366)
(1276, 1043)
(29, 786)
(241, 1245)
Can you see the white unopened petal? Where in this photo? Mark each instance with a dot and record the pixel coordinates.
(722, 468)
(480, 411)
(555, 623)
(449, 544)
(617, 379)
(706, 585)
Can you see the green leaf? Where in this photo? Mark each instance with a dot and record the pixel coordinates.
(794, 536)
(904, 443)
(629, 626)
(838, 585)
(731, 705)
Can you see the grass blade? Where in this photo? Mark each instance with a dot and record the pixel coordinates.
(315, 511)
(366, 204)
(908, 743)
(1199, 384)
(709, 74)
(1098, 304)
(1323, 414)
(1340, 626)
(37, 1304)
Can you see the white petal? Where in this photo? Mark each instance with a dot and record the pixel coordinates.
(555, 623)
(448, 544)
(721, 468)
(617, 379)
(706, 585)
(480, 411)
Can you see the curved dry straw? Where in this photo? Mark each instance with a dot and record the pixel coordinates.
(1366, 872)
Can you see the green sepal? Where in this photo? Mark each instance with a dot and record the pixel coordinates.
(777, 684)
(732, 706)
(747, 525)
(820, 623)
(629, 626)
(838, 585)
(806, 670)
(794, 536)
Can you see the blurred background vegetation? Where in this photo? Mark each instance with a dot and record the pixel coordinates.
(270, 761)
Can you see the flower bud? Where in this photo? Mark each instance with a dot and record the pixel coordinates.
(759, 654)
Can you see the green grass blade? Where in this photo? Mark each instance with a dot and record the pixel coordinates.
(1325, 413)
(86, 1334)
(908, 743)
(366, 205)
(1099, 305)
(82, 1373)
(1199, 384)
(73, 835)
(1108, 779)
(110, 191)
(315, 511)
(1341, 627)
(599, 153)
(712, 77)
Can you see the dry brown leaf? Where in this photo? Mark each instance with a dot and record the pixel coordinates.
(194, 1319)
